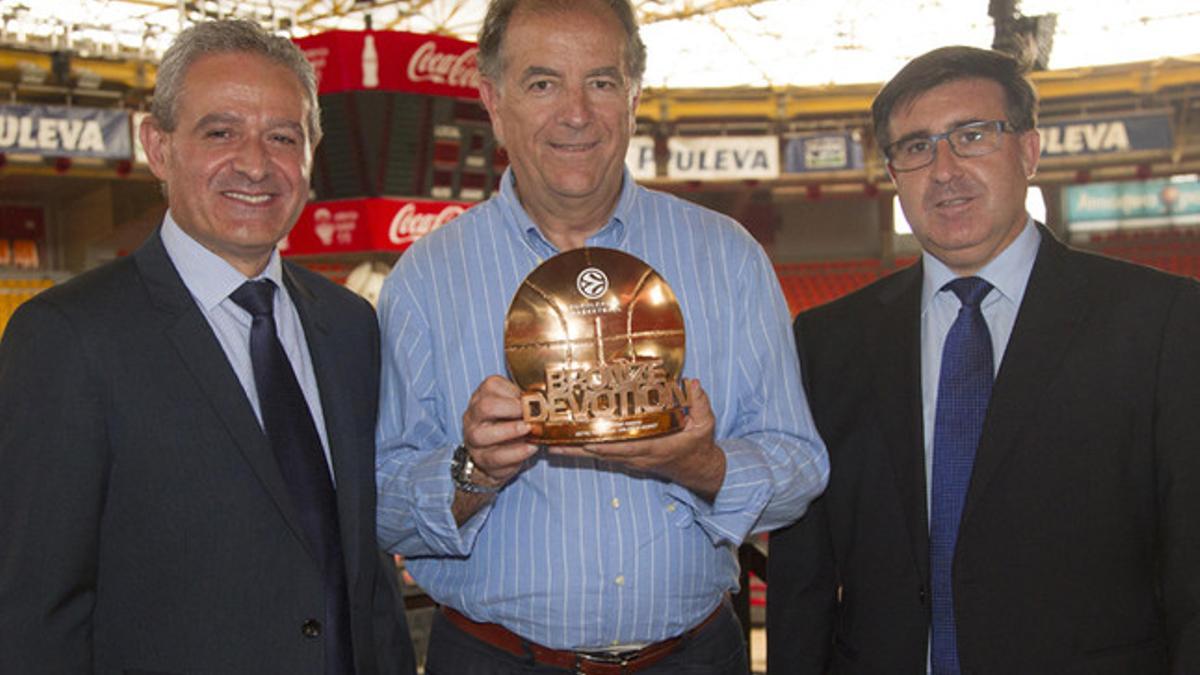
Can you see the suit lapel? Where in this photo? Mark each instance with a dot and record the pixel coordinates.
(898, 386)
(187, 329)
(1051, 315)
(323, 350)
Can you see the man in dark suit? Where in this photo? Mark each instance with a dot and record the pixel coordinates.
(1017, 494)
(187, 450)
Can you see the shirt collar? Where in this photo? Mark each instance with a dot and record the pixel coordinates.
(612, 234)
(1008, 272)
(207, 275)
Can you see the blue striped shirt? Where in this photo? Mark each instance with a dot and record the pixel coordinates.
(576, 553)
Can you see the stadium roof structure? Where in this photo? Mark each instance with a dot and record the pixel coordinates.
(692, 43)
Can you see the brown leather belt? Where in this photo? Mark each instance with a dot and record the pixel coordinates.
(582, 663)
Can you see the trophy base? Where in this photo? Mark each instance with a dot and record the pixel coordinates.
(631, 428)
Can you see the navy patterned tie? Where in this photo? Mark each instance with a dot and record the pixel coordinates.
(964, 388)
(289, 427)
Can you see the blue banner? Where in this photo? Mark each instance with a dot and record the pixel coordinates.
(59, 131)
(1105, 135)
(823, 152)
(1151, 202)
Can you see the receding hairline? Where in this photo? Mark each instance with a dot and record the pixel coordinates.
(632, 48)
(186, 85)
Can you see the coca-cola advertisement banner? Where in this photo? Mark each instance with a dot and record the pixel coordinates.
(392, 61)
(363, 225)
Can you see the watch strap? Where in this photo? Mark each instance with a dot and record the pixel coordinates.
(462, 467)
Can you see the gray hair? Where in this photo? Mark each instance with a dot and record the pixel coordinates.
(491, 36)
(224, 37)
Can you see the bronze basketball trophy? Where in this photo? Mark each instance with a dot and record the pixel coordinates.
(595, 340)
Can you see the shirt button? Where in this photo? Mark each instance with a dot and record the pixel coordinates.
(671, 507)
(616, 503)
(311, 628)
(620, 580)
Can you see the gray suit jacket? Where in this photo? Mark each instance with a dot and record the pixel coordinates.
(144, 522)
(1079, 547)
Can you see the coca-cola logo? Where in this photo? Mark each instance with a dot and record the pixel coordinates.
(335, 227)
(408, 225)
(456, 70)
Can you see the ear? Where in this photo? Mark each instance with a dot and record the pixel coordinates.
(489, 93)
(157, 143)
(1031, 151)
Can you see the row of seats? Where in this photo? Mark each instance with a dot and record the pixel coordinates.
(1165, 235)
(15, 291)
(1143, 243)
(810, 284)
(1187, 265)
(1175, 249)
(807, 285)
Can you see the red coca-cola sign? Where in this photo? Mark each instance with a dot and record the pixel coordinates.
(361, 225)
(392, 61)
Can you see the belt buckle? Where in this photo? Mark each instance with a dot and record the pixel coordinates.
(620, 659)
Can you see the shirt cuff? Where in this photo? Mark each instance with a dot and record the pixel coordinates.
(744, 494)
(434, 500)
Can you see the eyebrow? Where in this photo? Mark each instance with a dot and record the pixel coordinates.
(538, 71)
(218, 118)
(606, 71)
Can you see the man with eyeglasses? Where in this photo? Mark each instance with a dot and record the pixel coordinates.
(1013, 426)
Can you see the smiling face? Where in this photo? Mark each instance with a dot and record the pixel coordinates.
(964, 211)
(237, 164)
(564, 107)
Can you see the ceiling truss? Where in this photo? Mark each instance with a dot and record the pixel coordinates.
(458, 18)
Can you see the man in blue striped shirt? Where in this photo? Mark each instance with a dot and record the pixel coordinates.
(551, 560)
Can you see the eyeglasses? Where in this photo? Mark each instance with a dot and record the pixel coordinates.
(969, 140)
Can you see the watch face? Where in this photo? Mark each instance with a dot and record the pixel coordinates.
(461, 468)
(458, 461)
(595, 340)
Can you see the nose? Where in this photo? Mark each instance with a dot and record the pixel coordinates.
(945, 162)
(252, 159)
(577, 107)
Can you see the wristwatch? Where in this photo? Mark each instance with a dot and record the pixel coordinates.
(461, 470)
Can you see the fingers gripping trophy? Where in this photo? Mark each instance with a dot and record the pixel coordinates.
(595, 340)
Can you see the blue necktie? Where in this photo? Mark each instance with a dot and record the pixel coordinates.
(964, 388)
(289, 427)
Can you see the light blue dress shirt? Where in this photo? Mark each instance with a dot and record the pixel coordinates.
(211, 279)
(1008, 273)
(577, 553)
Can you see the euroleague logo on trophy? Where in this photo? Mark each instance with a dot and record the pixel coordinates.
(592, 283)
(595, 340)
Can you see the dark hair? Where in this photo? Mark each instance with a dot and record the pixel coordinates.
(495, 24)
(225, 37)
(948, 64)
